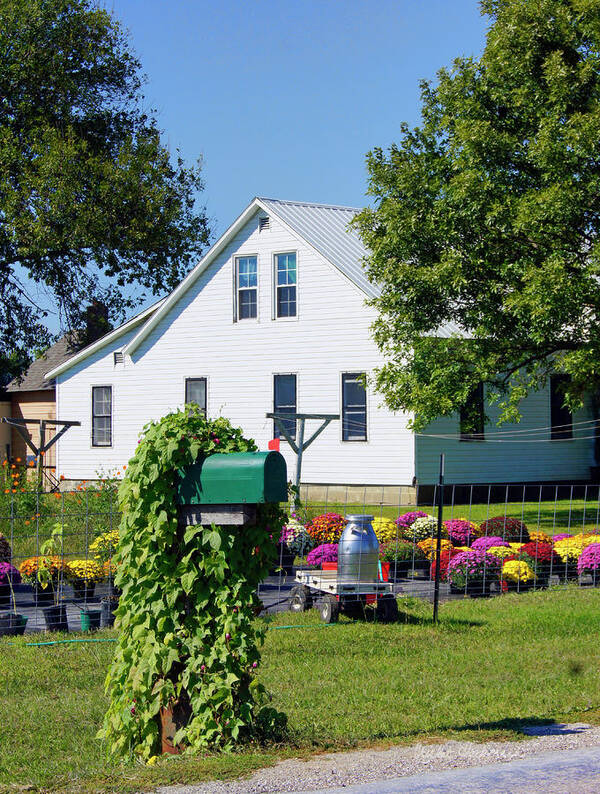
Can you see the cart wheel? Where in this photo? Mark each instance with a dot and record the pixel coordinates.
(387, 608)
(300, 599)
(330, 608)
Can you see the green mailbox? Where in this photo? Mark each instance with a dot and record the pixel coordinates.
(225, 488)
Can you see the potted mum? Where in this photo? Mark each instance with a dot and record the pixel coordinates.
(83, 576)
(461, 532)
(473, 572)
(326, 552)
(542, 559)
(402, 557)
(43, 592)
(517, 575)
(588, 564)
(509, 529)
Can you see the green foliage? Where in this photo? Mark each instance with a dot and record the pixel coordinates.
(187, 635)
(486, 219)
(90, 198)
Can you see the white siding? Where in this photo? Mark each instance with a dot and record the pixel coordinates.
(493, 462)
(198, 338)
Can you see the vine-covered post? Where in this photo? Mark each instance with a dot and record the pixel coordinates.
(188, 650)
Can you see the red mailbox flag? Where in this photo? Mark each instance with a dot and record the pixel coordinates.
(274, 444)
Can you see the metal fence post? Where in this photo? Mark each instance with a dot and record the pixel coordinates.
(438, 548)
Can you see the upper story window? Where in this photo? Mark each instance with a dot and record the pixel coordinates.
(101, 416)
(354, 407)
(246, 282)
(472, 416)
(285, 285)
(195, 392)
(561, 417)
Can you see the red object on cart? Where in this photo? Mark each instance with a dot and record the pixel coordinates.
(274, 444)
(385, 572)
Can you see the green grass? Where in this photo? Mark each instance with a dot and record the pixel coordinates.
(490, 667)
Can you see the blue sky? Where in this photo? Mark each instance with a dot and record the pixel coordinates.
(283, 99)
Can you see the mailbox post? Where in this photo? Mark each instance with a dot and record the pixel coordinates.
(225, 489)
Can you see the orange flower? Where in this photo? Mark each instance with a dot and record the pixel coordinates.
(12, 466)
(14, 490)
(31, 463)
(27, 521)
(62, 476)
(7, 490)
(18, 460)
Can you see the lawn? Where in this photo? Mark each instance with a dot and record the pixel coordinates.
(488, 668)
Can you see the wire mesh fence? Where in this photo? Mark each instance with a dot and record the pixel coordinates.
(495, 539)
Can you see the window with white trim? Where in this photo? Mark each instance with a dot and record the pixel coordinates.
(284, 402)
(195, 392)
(354, 407)
(246, 284)
(285, 285)
(101, 416)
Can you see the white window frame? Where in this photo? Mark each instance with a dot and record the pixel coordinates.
(364, 440)
(112, 414)
(276, 286)
(185, 383)
(236, 289)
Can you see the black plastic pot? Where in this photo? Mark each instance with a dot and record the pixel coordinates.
(83, 591)
(56, 618)
(43, 596)
(109, 606)
(12, 625)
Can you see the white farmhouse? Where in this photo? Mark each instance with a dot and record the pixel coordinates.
(274, 318)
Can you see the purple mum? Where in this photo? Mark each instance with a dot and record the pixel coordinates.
(459, 531)
(9, 573)
(406, 519)
(483, 544)
(326, 552)
(589, 559)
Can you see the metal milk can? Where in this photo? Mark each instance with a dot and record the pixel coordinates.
(358, 551)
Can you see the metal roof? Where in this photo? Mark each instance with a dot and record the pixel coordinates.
(326, 228)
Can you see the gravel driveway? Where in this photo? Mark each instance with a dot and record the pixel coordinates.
(367, 766)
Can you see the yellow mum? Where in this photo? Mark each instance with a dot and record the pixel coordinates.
(569, 549)
(103, 548)
(517, 571)
(537, 536)
(84, 570)
(385, 529)
(517, 546)
(501, 551)
(428, 546)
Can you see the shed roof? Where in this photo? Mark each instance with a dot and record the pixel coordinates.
(34, 378)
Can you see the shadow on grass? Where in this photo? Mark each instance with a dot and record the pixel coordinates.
(530, 726)
(444, 623)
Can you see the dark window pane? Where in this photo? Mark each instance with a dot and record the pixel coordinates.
(561, 417)
(284, 402)
(286, 301)
(195, 392)
(247, 303)
(472, 416)
(354, 408)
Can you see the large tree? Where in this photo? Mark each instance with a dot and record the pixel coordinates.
(485, 227)
(91, 201)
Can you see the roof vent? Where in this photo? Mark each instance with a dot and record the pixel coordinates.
(264, 223)
(118, 357)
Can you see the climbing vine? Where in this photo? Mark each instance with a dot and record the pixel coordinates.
(188, 639)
